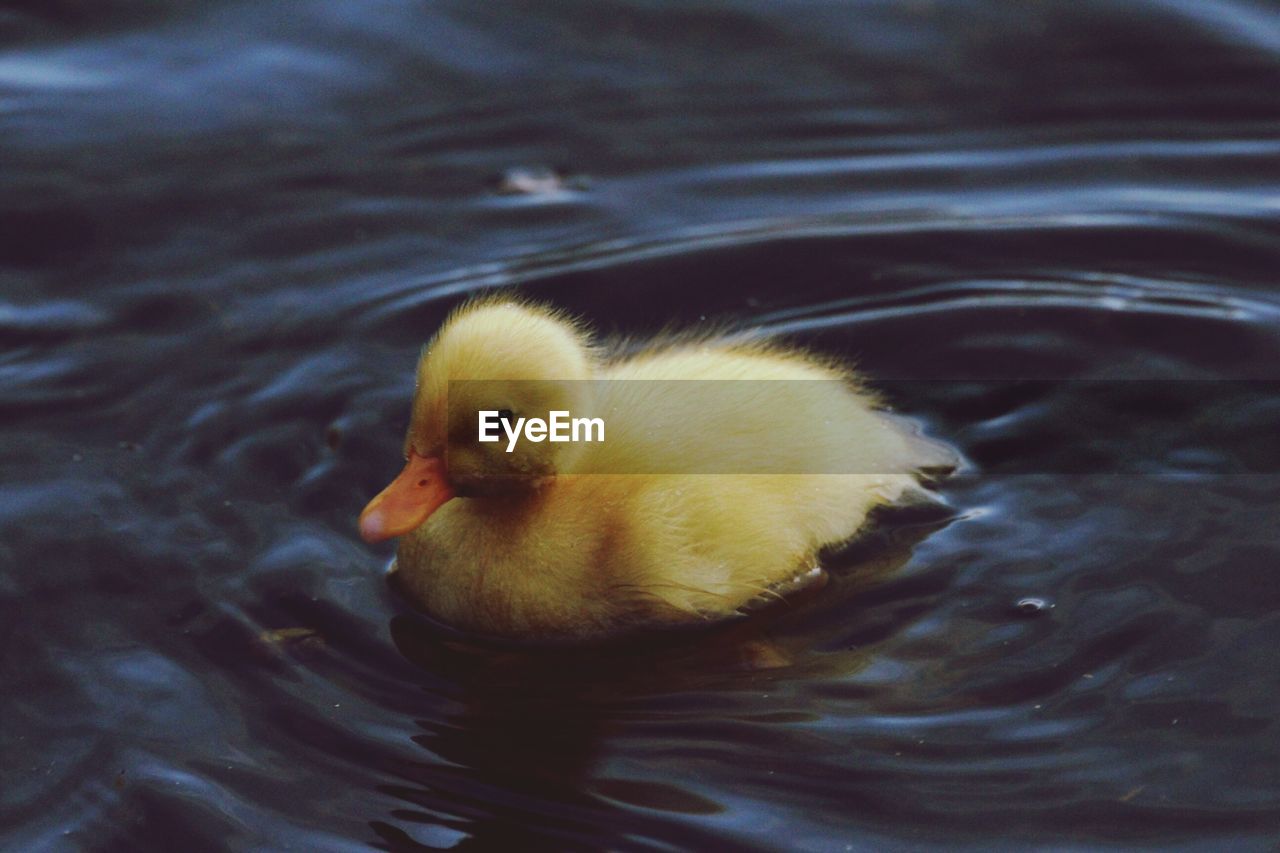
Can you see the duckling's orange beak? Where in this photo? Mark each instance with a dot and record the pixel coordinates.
(419, 491)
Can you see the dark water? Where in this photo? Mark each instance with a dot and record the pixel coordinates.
(226, 228)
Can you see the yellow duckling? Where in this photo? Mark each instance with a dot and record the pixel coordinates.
(701, 497)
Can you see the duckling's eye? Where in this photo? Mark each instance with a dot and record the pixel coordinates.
(507, 415)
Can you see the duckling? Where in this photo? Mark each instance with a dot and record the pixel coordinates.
(701, 498)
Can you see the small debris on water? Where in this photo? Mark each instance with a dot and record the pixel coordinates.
(537, 180)
(1032, 606)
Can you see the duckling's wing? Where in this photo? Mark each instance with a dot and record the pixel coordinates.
(807, 580)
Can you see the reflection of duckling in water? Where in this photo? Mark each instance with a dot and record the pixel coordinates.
(565, 540)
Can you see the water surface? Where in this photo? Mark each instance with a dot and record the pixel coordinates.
(226, 229)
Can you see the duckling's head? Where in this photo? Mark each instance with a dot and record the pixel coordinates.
(516, 359)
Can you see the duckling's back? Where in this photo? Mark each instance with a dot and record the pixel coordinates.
(747, 461)
(742, 409)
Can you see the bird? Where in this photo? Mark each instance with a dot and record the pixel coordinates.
(726, 464)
